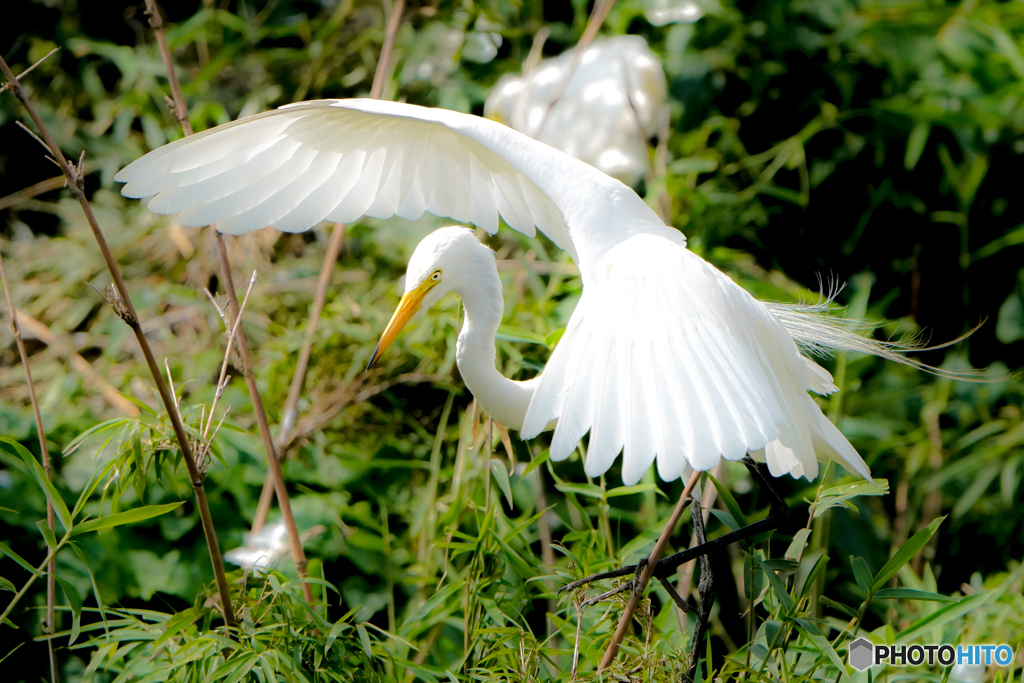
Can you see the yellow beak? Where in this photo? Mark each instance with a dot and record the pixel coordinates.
(407, 308)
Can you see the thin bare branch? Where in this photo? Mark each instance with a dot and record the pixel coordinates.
(26, 72)
(298, 554)
(51, 585)
(638, 590)
(128, 313)
(301, 366)
(232, 331)
(384, 63)
(180, 110)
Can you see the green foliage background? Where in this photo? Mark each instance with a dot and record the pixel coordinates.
(877, 143)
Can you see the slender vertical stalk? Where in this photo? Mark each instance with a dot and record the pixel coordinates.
(648, 572)
(330, 258)
(126, 310)
(181, 111)
(380, 75)
(290, 413)
(261, 419)
(51, 579)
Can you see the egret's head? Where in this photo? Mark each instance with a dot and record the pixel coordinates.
(443, 261)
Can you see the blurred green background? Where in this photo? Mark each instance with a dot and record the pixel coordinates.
(873, 143)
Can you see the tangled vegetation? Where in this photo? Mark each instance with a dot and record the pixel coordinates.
(877, 143)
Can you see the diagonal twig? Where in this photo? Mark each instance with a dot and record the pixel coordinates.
(594, 23)
(648, 571)
(126, 309)
(290, 413)
(51, 578)
(26, 72)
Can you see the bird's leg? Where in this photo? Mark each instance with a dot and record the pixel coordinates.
(667, 566)
(705, 594)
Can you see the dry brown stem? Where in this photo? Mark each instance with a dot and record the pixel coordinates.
(128, 313)
(51, 578)
(8, 85)
(301, 366)
(261, 419)
(380, 75)
(648, 571)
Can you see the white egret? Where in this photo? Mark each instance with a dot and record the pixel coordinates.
(665, 358)
(610, 106)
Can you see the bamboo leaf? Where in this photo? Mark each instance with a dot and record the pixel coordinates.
(848, 611)
(589, 490)
(75, 600)
(861, 573)
(636, 488)
(501, 477)
(814, 635)
(778, 587)
(905, 553)
(6, 585)
(515, 334)
(537, 462)
(48, 536)
(726, 495)
(796, 548)
(841, 495)
(132, 516)
(364, 640)
(16, 557)
(59, 508)
(944, 615)
(909, 594)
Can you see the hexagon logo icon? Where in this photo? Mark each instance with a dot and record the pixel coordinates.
(861, 654)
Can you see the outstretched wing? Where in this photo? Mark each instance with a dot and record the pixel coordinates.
(328, 160)
(666, 359)
(338, 160)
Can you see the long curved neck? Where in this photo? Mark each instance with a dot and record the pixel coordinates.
(504, 400)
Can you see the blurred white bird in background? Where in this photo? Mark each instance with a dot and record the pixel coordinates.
(266, 547)
(608, 110)
(661, 12)
(665, 359)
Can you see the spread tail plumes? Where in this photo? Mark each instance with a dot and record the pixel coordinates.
(818, 330)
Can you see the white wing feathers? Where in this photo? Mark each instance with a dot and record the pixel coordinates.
(669, 361)
(331, 160)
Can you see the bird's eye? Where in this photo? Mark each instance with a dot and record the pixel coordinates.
(436, 275)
